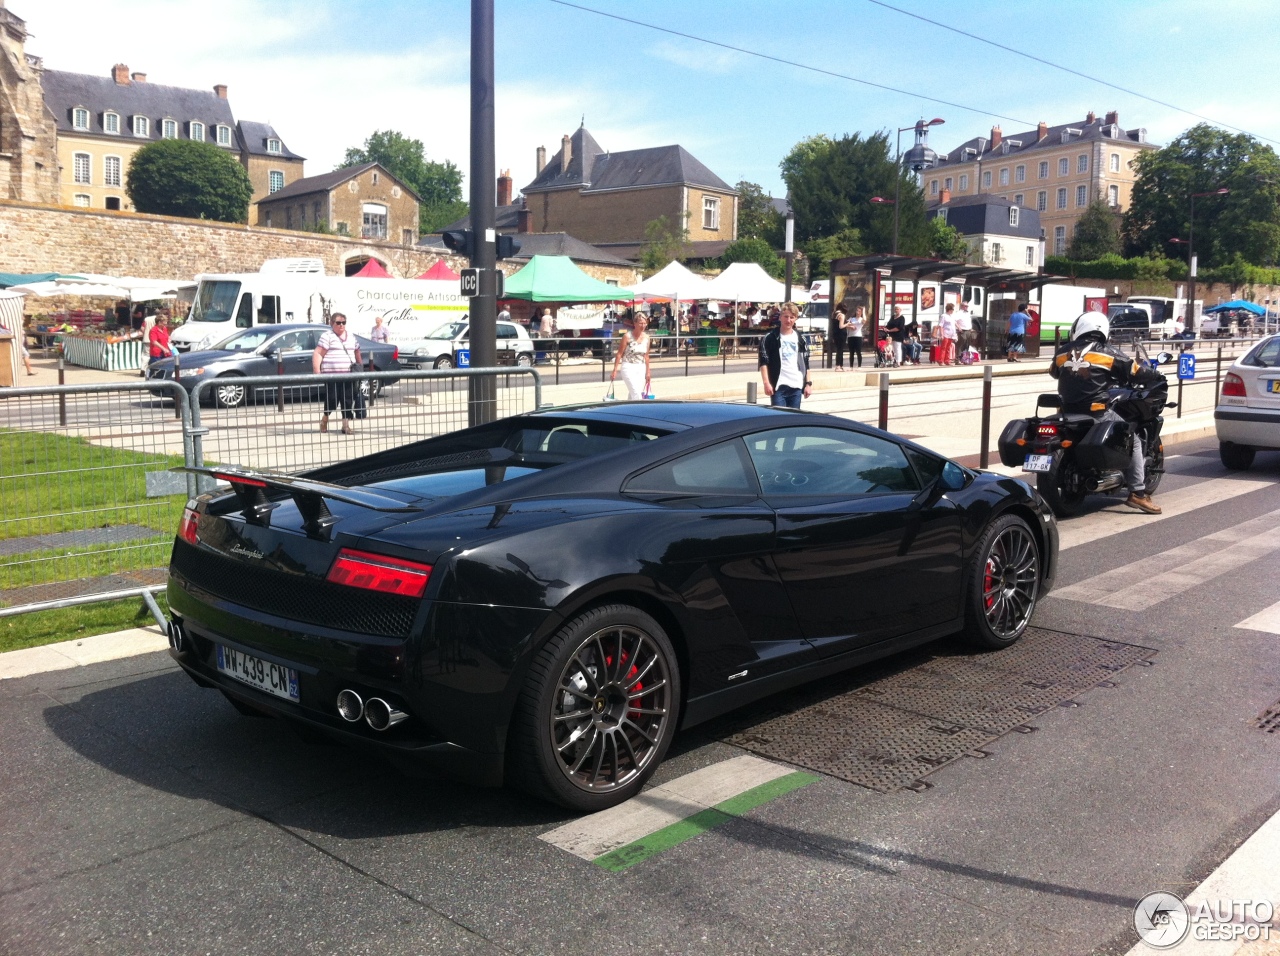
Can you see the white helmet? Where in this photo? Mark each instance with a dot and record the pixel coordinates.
(1094, 324)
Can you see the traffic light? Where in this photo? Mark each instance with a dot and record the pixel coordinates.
(508, 246)
(459, 240)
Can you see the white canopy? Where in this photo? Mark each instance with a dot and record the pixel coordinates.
(78, 288)
(674, 281)
(134, 288)
(746, 282)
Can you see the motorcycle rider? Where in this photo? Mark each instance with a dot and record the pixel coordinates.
(1085, 368)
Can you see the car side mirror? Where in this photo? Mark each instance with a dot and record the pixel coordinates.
(953, 477)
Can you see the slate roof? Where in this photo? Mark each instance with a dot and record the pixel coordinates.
(253, 140)
(1081, 131)
(506, 219)
(699, 249)
(63, 92)
(989, 215)
(591, 169)
(326, 182)
(563, 244)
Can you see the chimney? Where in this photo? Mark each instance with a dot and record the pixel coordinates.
(504, 188)
(996, 136)
(1113, 118)
(542, 158)
(566, 153)
(139, 77)
(1089, 120)
(221, 90)
(120, 73)
(1042, 131)
(523, 217)
(945, 197)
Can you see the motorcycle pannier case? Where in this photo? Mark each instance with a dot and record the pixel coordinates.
(1011, 453)
(1105, 447)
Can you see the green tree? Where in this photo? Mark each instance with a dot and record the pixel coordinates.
(664, 243)
(821, 252)
(438, 185)
(753, 250)
(182, 177)
(1245, 220)
(945, 241)
(1097, 233)
(831, 183)
(757, 219)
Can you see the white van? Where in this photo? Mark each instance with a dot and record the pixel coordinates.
(297, 290)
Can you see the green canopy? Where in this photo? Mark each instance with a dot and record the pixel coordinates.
(14, 278)
(557, 279)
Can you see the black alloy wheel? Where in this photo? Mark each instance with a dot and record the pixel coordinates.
(1003, 584)
(227, 394)
(1236, 457)
(598, 712)
(1062, 486)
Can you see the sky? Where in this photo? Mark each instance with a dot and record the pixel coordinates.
(327, 73)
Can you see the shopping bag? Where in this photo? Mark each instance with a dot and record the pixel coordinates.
(359, 407)
(609, 396)
(647, 394)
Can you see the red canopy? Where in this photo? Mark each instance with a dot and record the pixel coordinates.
(438, 271)
(372, 270)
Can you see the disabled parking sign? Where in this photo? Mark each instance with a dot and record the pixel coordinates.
(1186, 366)
(463, 357)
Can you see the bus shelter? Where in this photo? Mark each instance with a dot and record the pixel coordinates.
(878, 282)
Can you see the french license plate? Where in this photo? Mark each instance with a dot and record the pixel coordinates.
(1273, 385)
(1038, 463)
(275, 679)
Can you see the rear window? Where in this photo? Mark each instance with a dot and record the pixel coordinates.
(1265, 354)
(573, 440)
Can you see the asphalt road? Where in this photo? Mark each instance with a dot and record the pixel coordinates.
(141, 814)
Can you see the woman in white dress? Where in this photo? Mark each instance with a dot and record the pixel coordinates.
(633, 358)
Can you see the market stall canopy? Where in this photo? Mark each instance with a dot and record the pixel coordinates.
(746, 282)
(557, 279)
(1239, 305)
(128, 287)
(373, 269)
(440, 272)
(674, 281)
(44, 289)
(8, 279)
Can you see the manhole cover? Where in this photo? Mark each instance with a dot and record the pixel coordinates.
(1269, 719)
(891, 732)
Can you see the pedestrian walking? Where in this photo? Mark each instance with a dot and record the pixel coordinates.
(856, 326)
(947, 336)
(839, 333)
(337, 351)
(158, 339)
(784, 361)
(1018, 322)
(896, 328)
(964, 327)
(632, 358)
(379, 331)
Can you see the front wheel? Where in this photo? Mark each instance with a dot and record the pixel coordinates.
(1153, 465)
(1236, 457)
(598, 712)
(1062, 486)
(444, 361)
(525, 360)
(1003, 584)
(229, 395)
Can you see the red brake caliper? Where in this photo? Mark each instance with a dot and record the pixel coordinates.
(987, 579)
(634, 688)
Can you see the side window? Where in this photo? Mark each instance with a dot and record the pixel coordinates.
(928, 468)
(828, 461)
(290, 342)
(244, 315)
(718, 470)
(506, 331)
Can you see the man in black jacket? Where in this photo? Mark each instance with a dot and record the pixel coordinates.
(784, 361)
(1085, 369)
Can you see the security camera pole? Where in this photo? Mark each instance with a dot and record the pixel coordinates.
(482, 390)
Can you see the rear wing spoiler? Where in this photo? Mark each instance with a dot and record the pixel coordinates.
(307, 493)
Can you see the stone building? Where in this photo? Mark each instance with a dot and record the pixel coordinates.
(364, 201)
(1055, 170)
(998, 231)
(68, 137)
(28, 136)
(607, 199)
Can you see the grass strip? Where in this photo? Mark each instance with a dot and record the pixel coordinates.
(73, 623)
(637, 851)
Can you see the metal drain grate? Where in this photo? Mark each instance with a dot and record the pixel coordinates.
(1269, 720)
(893, 731)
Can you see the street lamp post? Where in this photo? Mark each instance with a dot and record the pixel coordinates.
(790, 244)
(1189, 319)
(919, 157)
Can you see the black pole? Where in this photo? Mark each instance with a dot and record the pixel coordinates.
(1190, 317)
(482, 398)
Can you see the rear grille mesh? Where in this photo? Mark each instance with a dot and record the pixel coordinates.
(294, 597)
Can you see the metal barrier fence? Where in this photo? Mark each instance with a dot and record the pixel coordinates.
(89, 505)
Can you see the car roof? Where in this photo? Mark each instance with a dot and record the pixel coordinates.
(664, 413)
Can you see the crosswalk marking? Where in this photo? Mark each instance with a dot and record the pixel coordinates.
(662, 807)
(1267, 620)
(1145, 583)
(1102, 524)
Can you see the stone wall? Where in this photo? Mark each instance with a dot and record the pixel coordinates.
(28, 136)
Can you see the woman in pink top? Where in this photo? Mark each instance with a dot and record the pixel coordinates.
(337, 351)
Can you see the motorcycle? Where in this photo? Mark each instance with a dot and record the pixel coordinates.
(1073, 454)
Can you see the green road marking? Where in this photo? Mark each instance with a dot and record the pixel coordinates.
(677, 833)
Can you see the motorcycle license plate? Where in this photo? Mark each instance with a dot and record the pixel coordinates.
(1038, 463)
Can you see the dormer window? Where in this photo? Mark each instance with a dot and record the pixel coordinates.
(197, 132)
(1013, 215)
(224, 135)
(80, 118)
(1015, 143)
(273, 146)
(1004, 148)
(168, 129)
(111, 122)
(1069, 132)
(141, 126)
(942, 214)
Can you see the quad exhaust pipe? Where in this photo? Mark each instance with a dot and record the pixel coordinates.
(377, 713)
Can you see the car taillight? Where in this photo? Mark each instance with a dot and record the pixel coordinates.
(1233, 385)
(395, 355)
(377, 572)
(1047, 430)
(187, 529)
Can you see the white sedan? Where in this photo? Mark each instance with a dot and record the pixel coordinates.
(1248, 414)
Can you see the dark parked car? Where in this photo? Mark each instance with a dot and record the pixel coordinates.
(254, 352)
(542, 600)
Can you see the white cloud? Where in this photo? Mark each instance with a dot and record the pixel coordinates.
(697, 56)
